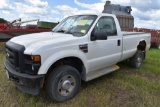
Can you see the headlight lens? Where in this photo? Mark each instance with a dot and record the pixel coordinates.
(36, 58)
(32, 64)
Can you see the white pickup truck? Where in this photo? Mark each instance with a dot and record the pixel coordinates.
(81, 47)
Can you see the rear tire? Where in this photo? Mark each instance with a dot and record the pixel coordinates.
(158, 45)
(63, 83)
(137, 59)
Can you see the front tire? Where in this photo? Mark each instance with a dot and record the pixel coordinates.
(63, 83)
(137, 59)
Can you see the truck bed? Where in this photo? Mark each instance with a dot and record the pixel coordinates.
(131, 41)
(124, 33)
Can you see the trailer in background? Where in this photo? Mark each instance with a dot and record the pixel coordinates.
(9, 30)
(155, 35)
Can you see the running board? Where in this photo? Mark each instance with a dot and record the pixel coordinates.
(101, 72)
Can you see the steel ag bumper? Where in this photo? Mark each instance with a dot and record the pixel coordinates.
(30, 84)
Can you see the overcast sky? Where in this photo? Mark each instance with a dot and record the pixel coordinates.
(145, 12)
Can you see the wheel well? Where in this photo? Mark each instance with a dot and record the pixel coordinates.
(72, 61)
(141, 46)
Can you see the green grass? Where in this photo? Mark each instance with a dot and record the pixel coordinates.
(126, 87)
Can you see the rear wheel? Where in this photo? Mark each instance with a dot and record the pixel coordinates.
(137, 59)
(63, 83)
(158, 45)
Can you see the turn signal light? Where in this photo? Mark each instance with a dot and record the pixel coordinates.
(36, 58)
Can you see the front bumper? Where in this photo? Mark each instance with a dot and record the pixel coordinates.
(30, 84)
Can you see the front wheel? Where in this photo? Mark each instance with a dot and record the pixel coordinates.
(137, 59)
(63, 83)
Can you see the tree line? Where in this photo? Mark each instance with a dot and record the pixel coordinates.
(3, 20)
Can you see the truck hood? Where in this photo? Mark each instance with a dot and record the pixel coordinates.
(41, 38)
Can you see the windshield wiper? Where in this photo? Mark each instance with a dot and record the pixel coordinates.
(61, 31)
(78, 34)
(68, 32)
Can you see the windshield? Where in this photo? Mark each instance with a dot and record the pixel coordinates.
(76, 25)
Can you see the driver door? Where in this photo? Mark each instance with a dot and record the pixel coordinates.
(104, 53)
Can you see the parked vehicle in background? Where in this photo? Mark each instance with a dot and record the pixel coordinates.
(81, 47)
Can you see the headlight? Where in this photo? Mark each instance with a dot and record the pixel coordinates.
(32, 63)
(36, 58)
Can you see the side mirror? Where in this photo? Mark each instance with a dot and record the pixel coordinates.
(99, 35)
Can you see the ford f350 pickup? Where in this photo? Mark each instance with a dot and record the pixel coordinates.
(81, 47)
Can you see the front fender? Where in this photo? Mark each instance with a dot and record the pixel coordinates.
(60, 55)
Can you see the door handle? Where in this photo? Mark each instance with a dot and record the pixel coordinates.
(119, 43)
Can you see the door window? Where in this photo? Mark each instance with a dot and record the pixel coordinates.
(107, 25)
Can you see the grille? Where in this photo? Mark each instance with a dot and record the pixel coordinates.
(15, 56)
(17, 60)
(12, 56)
